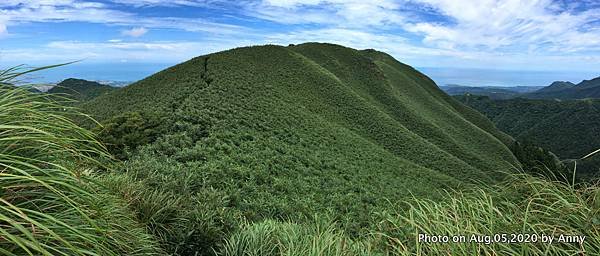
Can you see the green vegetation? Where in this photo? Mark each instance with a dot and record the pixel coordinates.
(49, 202)
(521, 205)
(274, 238)
(539, 161)
(567, 128)
(127, 131)
(282, 133)
(80, 90)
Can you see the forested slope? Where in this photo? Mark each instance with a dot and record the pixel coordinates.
(567, 128)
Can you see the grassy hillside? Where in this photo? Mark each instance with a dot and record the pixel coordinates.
(80, 90)
(288, 132)
(567, 128)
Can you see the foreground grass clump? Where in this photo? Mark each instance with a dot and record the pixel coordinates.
(271, 238)
(49, 204)
(525, 205)
(183, 223)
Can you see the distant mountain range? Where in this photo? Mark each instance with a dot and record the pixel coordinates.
(562, 90)
(568, 90)
(494, 92)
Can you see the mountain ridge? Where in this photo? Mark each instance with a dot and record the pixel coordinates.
(567, 90)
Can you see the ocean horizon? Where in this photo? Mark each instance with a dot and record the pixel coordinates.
(442, 76)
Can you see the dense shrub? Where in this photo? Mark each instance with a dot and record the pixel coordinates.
(539, 161)
(129, 130)
(166, 199)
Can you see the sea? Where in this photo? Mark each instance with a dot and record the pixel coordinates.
(442, 76)
(504, 78)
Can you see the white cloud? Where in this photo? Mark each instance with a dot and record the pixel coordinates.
(135, 32)
(63, 11)
(514, 34)
(520, 25)
(341, 13)
(148, 3)
(116, 51)
(3, 30)
(24, 11)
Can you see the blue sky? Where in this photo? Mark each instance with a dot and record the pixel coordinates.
(134, 38)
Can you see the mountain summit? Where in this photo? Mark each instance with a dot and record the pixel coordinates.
(314, 125)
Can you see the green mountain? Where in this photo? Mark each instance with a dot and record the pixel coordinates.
(287, 132)
(567, 128)
(568, 90)
(80, 90)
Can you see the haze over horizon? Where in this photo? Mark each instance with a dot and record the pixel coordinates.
(506, 43)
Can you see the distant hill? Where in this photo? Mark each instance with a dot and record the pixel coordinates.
(568, 128)
(567, 90)
(80, 90)
(493, 92)
(291, 131)
(8, 85)
(556, 86)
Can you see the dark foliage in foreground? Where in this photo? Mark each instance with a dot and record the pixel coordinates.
(127, 131)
